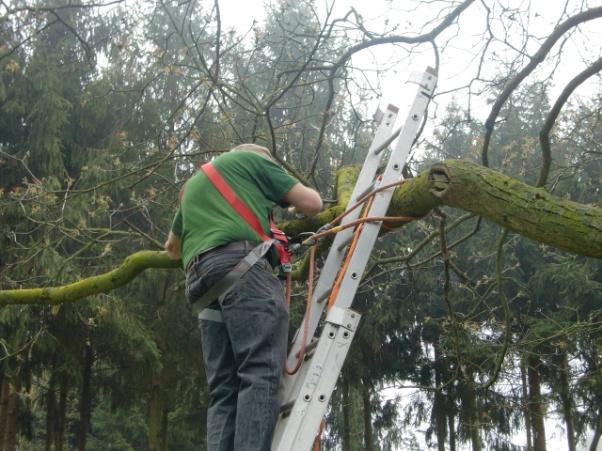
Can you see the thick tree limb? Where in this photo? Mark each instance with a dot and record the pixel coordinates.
(118, 277)
(521, 208)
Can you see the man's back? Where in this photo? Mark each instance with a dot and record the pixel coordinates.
(205, 220)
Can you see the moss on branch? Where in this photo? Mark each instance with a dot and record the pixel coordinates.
(524, 209)
(118, 277)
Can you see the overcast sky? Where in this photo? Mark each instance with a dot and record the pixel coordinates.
(458, 63)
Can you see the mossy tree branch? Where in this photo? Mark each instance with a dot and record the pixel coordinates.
(118, 277)
(521, 208)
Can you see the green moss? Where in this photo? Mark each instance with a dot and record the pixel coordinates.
(522, 208)
(124, 273)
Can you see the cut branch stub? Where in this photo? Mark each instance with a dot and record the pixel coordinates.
(522, 208)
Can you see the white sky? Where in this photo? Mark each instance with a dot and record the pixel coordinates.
(458, 64)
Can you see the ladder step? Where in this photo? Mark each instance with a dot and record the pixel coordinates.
(310, 348)
(366, 191)
(285, 409)
(388, 141)
(324, 295)
(345, 243)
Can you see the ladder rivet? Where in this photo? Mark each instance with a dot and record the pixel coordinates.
(346, 334)
(322, 398)
(307, 398)
(330, 334)
(396, 167)
(415, 117)
(354, 275)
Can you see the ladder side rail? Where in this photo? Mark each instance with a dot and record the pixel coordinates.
(335, 256)
(392, 174)
(298, 430)
(364, 181)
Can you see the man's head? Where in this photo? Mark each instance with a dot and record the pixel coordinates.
(259, 150)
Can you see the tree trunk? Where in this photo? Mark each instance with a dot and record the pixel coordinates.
(10, 433)
(452, 429)
(525, 402)
(346, 415)
(597, 433)
(50, 415)
(439, 402)
(440, 420)
(85, 403)
(470, 399)
(567, 401)
(157, 416)
(368, 438)
(536, 405)
(4, 397)
(60, 420)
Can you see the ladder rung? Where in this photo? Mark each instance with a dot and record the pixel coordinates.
(324, 295)
(388, 141)
(345, 243)
(393, 108)
(310, 348)
(286, 408)
(366, 191)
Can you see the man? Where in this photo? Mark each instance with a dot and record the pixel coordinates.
(244, 334)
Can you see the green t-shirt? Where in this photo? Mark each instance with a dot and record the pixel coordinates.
(205, 220)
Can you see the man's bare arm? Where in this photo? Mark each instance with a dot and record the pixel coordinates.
(173, 246)
(304, 199)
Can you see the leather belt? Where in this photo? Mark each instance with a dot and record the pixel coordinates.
(245, 246)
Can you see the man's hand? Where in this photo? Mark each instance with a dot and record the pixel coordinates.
(172, 246)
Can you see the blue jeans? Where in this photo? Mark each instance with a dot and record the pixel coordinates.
(243, 352)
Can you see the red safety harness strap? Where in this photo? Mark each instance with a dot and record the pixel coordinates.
(238, 205)
(247, 214)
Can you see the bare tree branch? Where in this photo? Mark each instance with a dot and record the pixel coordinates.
(544, 134)
(536, 59)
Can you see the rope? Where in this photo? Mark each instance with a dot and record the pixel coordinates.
(339, 280)
(310, 292)
(317, 440)
(367, 201)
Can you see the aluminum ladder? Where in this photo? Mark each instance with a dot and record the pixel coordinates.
(307, 392)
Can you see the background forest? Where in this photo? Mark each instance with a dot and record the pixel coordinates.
(472, 337)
